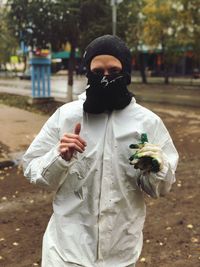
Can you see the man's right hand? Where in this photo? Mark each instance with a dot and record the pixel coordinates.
(71, 143)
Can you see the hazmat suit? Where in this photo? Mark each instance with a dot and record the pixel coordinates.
(98, 208)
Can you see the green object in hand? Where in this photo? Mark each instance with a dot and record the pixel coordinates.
(143, 139)
(147, 163)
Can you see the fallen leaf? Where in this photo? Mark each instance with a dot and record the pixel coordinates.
(190, 226)
(189, 197)
(194, 240)
(143, 260)
(179, 183)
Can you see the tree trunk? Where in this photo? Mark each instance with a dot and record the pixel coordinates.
(166, 71)
(142, 68)
(70, 74)
(166, 65)
(25, 63)
(166, 78)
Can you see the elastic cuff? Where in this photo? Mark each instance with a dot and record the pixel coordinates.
(63, 163)
(162, 173)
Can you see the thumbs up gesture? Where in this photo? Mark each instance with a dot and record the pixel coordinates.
(71, 143)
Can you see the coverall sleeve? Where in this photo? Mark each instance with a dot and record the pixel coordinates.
(42, 162)
(158, 184)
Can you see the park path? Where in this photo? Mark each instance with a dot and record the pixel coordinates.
(58, 86)
(179, 92)
(18, 128)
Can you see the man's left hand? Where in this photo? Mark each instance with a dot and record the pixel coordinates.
(148, 158)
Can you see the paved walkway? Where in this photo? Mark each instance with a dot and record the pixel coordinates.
(58, 86)
(19, 127)
(168, 94)
(188, 95)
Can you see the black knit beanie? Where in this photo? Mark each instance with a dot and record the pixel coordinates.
(108, 45)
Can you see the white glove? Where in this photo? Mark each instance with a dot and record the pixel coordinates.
(147, 157)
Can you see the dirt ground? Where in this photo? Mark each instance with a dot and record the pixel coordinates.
(172, 228)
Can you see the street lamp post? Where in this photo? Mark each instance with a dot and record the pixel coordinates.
(114, 4)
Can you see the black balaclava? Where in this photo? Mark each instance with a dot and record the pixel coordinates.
(106, 93)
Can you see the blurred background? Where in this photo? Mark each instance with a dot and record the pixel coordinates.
(163, 36)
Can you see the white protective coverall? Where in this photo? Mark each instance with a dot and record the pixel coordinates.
(98, 209)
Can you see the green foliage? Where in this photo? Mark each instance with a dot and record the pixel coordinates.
(95, 20)
(42, 22)
(8, 43)
(129, 22)
(171, 24)
(157, 22)
(188, 24)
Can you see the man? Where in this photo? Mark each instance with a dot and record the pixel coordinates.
(83, 151)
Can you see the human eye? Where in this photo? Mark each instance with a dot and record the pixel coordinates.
(98, 71)
(114, 70)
